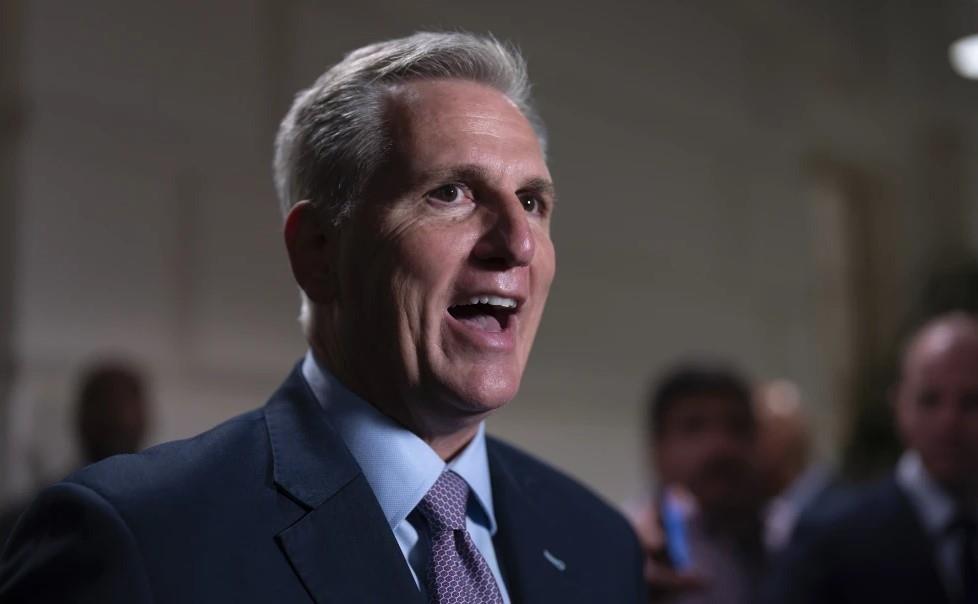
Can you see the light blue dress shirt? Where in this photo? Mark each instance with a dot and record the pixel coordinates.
(401, 468)
(936, 510)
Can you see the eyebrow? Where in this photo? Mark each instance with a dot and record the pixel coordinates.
(541, 186)
(476, 173)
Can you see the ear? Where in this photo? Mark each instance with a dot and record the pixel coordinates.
(309, 244)
(893, 396)
(654, 454)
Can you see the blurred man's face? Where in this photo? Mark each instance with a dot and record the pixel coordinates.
(937, 405)
(114, 418)
(446, 266)
(706, 443)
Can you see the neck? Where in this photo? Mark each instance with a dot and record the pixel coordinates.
(741, 526)
(963, 490)
(447, 447)
(446, 436)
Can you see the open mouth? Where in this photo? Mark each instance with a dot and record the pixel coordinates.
(487, 313)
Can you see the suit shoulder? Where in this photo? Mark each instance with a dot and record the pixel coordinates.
(585, 530)
(532, 470)
(237, 445)
(71, 527)
(853, 512)
(554, 490)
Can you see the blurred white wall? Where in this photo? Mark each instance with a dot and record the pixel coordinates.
(146, 223)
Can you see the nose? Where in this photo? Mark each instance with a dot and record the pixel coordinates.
(508, 239)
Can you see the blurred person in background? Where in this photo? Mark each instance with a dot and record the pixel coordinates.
(112, 412)
(111, 417)
(417, 204)
(702, 528)
(791, 481)
(910, 538)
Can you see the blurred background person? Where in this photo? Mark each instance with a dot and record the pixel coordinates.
(112, 411)
(701, 528)
(112, 416)
(791, 479)
(909, 538)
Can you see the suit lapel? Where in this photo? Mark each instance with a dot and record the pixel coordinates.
(919, 559)
(342, 549)
(532, 552)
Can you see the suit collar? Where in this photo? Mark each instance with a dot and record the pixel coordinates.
(917, 559)
(934, 505)
(536, 557)
(400, 467)
(342, 549)
(309, 460)
(344, 553)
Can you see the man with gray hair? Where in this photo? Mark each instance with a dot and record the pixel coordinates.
(417, 209)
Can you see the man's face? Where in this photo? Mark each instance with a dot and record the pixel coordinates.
(706, 444)
(937, 406)
(446, 265)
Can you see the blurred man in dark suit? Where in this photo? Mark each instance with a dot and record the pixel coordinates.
(418, 205)
(702, 528)
(910, 538)
(111, 417)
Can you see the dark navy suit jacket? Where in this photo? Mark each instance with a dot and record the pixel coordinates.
(271, 507)
(867, 546)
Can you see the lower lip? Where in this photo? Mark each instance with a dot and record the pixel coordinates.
(492, 341)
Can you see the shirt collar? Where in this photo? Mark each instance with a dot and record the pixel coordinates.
(933, 503)
(399, 466)
(816, 477)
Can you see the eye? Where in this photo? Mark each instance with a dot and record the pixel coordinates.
(692, 425)
(450, 193)
(532, 204)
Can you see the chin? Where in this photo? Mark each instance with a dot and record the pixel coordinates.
(483, 392)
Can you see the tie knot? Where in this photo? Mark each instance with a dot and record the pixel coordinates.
(444, 504)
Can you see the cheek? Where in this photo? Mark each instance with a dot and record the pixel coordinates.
(905, 420)
(546, 264)
(431, 249)
(676, 458)
(971, 430)
(542, 276)
(423, 279)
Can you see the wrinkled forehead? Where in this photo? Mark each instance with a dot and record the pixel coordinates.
(435, 109)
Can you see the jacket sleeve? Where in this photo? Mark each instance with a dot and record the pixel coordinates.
(72, 545)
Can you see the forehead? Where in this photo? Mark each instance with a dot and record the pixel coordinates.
(450, 120)
(708, 406)
(943, 352)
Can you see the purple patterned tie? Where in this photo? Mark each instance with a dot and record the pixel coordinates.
(457, 573)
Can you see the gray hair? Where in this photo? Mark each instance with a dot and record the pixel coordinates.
(333, 138)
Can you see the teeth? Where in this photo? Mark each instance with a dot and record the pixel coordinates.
(493, 300)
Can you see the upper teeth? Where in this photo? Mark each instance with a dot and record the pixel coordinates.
(494, 300)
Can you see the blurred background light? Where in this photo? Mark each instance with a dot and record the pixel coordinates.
(964, 57)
